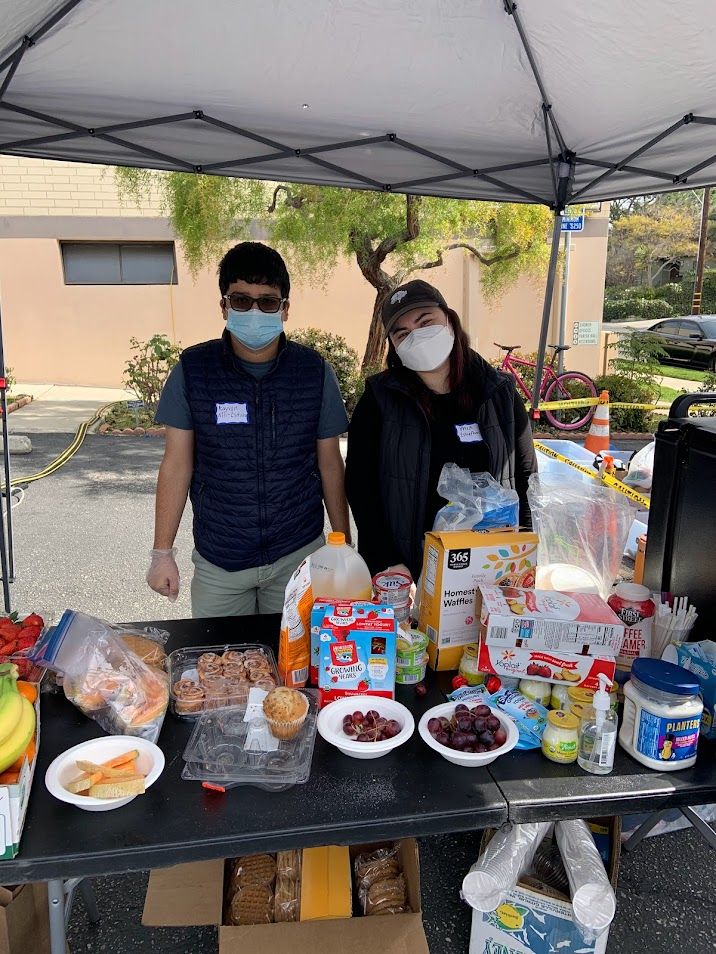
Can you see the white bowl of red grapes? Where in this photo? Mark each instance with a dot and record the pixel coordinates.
(468, 734)
(365, 727)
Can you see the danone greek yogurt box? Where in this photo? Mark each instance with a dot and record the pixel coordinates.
(357, 647)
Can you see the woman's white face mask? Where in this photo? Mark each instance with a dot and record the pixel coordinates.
(425, 349)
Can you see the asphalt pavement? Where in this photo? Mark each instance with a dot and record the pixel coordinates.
(82, 540)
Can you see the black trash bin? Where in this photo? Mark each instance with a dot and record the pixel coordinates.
(680, 556)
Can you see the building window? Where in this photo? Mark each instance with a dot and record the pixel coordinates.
(119, 263)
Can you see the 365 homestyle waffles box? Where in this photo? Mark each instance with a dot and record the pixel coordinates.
(357, 647)
(455, 564)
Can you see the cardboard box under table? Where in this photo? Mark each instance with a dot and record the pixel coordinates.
(193, 894)
(24, 920)
(455, 564)
(534, 919)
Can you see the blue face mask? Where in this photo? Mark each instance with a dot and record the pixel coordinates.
(254, 328)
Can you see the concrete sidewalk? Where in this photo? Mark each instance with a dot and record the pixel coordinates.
(58, 408)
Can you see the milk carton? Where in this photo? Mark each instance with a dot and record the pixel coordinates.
(357, 644)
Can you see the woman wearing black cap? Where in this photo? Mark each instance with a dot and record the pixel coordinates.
(439, 402)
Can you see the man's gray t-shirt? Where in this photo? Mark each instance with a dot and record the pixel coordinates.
(174, 408)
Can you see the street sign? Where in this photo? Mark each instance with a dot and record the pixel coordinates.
(585, 333)
(572, 223)
(135, 405)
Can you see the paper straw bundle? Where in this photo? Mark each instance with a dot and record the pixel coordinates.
(673, 622)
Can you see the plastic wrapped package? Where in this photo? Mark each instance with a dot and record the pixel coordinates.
(475, 502)
(641, 468)
(104, 677)
(251, 869)
(286, 899)
(497, 870)
(380, 882)
(580, 525)
(252, 904)
(593, 898)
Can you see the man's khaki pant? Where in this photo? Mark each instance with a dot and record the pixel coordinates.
(217, 592)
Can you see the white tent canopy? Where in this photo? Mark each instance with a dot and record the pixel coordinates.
(548, 101)
(465, 98)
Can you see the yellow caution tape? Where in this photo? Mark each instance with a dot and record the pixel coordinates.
(608, 479)
(591, 402)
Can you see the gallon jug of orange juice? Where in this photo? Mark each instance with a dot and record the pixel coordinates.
(338, 572)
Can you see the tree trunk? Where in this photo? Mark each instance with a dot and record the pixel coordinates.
(375, 348)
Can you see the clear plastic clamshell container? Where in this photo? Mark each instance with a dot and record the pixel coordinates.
(234, 746)
(204, 678)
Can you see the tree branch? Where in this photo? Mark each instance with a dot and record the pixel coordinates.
(410, 232)
(293, 200)
(487, 259)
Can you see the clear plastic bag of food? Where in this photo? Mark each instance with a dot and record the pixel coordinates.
(641, 468)
(109, 683)
(58, 646)
(580, 525)
(380, 882)
(475, 502)
(286, 904)
(252, 904)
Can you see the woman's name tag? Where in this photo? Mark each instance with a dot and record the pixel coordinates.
(468, 433)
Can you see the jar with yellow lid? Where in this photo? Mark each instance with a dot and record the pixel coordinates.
(584, 697)
(560, 742)
(468, 666)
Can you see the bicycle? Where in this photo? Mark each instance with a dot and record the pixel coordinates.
(570, 385)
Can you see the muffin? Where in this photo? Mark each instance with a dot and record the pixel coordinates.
(285, 711)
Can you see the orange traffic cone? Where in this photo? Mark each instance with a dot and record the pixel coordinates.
(598, 437)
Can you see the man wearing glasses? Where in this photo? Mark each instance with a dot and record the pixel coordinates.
(252, 424)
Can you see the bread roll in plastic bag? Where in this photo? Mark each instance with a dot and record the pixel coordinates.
(580, 524)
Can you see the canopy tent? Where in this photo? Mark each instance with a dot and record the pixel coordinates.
(552, 103)
(463, 98)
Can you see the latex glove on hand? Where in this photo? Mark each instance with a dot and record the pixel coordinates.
(163, 573)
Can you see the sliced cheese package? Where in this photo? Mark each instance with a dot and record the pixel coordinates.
(326, 890)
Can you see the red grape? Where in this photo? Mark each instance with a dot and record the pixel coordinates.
(483, 711)
(480, 724)
(461, 708)
(372, 716)
(364, 737)
(500, 737)
(434, 726)
(357, 717)
(493, 723)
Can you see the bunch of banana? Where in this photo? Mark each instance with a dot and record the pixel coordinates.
(17, 718)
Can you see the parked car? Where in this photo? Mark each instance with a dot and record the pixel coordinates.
(688, 341)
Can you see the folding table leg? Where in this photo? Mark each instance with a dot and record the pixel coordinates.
(56, 905)
(643, 830)
(88, 896)
(702, 827)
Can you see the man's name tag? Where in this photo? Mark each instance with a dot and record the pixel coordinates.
(232, 414)
(468, 433)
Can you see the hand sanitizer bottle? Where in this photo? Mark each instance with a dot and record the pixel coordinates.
(598, 733)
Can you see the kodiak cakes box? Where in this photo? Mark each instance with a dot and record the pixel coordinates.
(455, 564)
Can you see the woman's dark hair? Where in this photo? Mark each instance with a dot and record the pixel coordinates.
(256, 264)
(460, 376)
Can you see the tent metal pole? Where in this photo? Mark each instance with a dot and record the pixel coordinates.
(546, 311)
(5, 533)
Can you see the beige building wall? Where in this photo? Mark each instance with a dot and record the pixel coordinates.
(79, 334)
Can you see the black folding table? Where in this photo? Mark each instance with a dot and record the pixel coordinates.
(412, 791)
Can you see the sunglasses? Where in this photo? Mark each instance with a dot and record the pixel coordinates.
(269, 304)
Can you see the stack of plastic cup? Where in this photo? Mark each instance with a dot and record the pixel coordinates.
(593, 899)
(499, 867)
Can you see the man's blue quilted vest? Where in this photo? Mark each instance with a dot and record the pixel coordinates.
(256, 490)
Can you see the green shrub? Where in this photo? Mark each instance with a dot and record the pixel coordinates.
(336, 350)
(622, 389)
(708, 386)
(636, 309)
(149, 367)
(10, 382)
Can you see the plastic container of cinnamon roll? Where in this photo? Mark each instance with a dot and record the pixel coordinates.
(202, 678)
